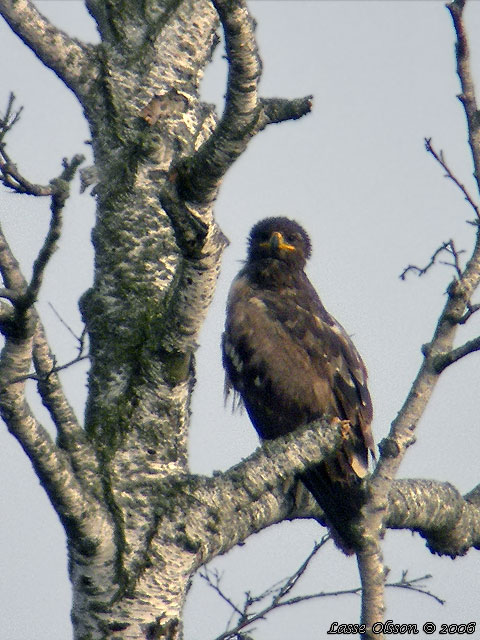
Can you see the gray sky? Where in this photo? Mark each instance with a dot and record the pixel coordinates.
(356, 175)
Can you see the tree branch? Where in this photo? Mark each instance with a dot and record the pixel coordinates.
(223, 511)
(198, 178)
(71, 438)
(467, 97)
(372, 577)
(10, 117)
(25, 339)
(70, 59)
(445, 360)
(455, 311)
(13, 179)
(23, 296)
(449, 248)
(69, 499)
(276, 110)
(471, 309)
(449, 522)
(278, 592)
(194, 182)
(60, 194)
(449, 174)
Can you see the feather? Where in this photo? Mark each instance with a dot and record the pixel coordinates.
(291, 362)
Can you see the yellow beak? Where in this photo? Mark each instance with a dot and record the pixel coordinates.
(277, 242)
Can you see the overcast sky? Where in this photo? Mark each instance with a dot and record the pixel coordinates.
(356, 175)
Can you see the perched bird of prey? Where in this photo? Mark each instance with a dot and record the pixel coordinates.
(291, 362)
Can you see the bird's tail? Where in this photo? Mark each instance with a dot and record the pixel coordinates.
(340, 497)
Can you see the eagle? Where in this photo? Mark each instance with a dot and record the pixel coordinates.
(290, 362)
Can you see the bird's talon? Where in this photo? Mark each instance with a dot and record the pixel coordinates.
(346, 429)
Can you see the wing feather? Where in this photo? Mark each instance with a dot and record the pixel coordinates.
(292, 362)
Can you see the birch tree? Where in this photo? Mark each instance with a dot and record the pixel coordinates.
(138, 523)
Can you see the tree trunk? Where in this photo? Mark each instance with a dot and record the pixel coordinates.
(143, 315)
(138, 523)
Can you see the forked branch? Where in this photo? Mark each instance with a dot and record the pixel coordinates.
(447, 247)
(245, 114)
(257, 607)
(25, 340)
(439, 157)
(401, 434)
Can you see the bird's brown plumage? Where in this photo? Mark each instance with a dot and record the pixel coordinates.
(291, 362)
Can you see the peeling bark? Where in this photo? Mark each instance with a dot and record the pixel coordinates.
(138, 523)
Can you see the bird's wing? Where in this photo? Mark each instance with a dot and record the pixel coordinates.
(292, 362)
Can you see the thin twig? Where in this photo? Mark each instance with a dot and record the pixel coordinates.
(246, 617)
(12, 177)
(467, 96)
(65, 324)
(213, 579)
(44, 377)
(413, 584)
(80, 339)
(439, 157)
(448, 247)
(60, 195)
(10, 118)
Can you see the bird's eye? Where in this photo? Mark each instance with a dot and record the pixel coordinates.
(291, 237)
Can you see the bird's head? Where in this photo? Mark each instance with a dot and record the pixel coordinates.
(281, 239)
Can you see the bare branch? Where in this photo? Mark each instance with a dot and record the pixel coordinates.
(25, 339)
(213, 579)
(439, 157)
(277, 594)
(46, 375)
(456, 309)
(23, 296)
(258, 486)
(414, 584)
(467, 97)
(261, 491)
(199, 177)
(13, 179)
(71, 436)
(277, 110)
(70, 59)
(449, 522)
(10, 118)
(9, 173)
(448, 247)
(80, 339)
(60, 194)
(51, 466)
(445, 360)
(402, 436)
